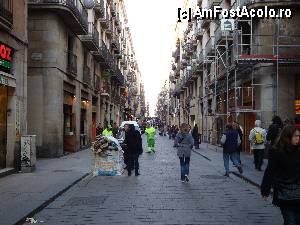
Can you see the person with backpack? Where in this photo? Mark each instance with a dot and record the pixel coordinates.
(257, 139)
(282, 174)
(230, 141)
(184, 143)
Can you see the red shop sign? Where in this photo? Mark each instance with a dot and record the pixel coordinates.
(6, 54)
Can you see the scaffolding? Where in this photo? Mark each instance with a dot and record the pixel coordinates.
(230, 65)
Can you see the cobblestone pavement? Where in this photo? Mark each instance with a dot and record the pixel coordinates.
(158, 197)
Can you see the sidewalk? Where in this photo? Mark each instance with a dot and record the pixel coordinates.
(214, 153)
(23, 193)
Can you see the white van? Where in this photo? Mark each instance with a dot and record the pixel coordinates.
(122, 134)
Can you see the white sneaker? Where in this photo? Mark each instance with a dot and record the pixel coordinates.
(187, 179)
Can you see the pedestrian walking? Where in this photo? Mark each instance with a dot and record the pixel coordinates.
(283, 175)
(297, 122)
(99, 129)
(108, 131)
(133, 143)
(175, 131)
(165, 130)
(184, 143)
(150, 132)
(230, 141)
(274, 129)
(257, 139)
(115, 130)
(195, 134)
(239, 129)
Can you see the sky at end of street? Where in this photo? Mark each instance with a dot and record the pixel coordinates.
(152, 25)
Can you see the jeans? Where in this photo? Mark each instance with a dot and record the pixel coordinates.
(258, 157)
(290, 216)
(233, 157)
(185, 166)
(133, 163)
(196, 143)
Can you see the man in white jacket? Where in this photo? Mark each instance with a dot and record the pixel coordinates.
(257, 139)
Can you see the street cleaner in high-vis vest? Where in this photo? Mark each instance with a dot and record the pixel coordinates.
(150, 132)
(108, 131)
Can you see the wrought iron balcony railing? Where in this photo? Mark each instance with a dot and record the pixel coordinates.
(105, 21)
(100, 8)
(72, 11)
(91, 40)
(6, 13)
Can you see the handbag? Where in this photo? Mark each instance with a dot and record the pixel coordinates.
(288, 190)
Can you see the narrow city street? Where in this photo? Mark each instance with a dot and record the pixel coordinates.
(158, 196)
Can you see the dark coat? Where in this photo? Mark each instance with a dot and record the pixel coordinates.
(231, 142)
(133, 141)
(240, 147)
(282, 165)
(195, 133)
(273, 133)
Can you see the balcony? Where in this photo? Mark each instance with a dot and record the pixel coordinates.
(86, 79)
(104, 57)
(105, 21)
(117, 19)
(119, 27)
(113, 10)
(72, 64)
(72, 12)
(210, 47)
(176, 54)
(109, 30)
(221, 36)
(6, 14)
(199, 33)
(100, 8)
(115, 44)
(119, 76)
(213, 3)
(173, 67)
(91, 40)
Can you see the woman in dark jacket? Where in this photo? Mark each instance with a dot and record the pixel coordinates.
(184, 143)
(283, 173)
(230, 141)
(195, 134)
(134, 148)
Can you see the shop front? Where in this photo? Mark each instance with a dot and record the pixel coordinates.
(7, 107)
(69, 122)
(3, 125)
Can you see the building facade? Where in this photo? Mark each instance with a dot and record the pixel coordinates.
(78, 66)
(244, 74)
(13, 80)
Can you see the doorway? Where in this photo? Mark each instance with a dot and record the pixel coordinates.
(247, 122)
(3, 125)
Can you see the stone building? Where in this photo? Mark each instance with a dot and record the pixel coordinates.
(77, 71)
(244, 74)
(13, 81)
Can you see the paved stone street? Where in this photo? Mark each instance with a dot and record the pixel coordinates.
(158, 197)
